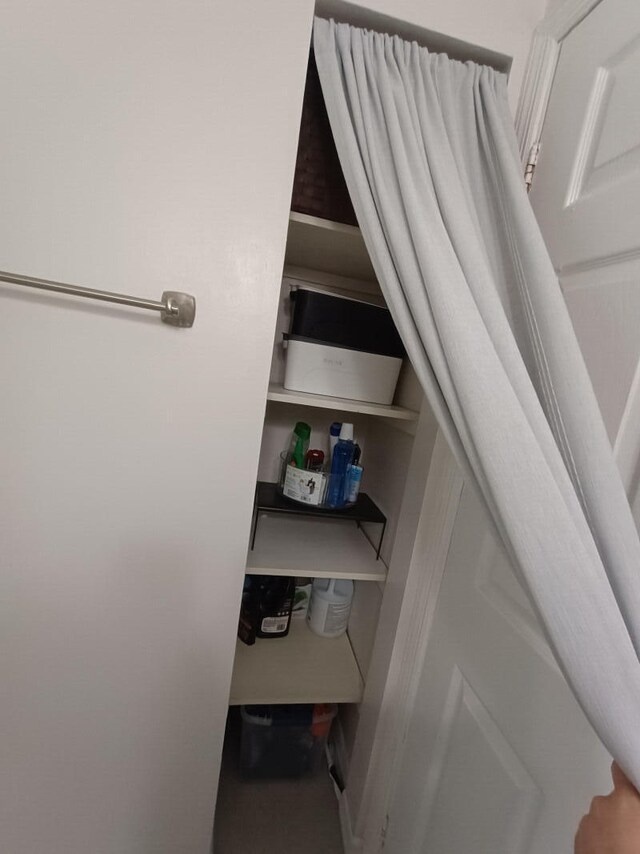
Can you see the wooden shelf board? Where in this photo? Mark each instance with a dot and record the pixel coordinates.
(313, 548)
(301, 668)
(331, 247)
(324, 224)
(279, 394)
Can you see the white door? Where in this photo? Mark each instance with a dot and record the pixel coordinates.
(586, 195)
(141, 150)
(499, 758)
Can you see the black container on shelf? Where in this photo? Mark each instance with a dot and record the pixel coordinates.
(344, 322)
(267, 601)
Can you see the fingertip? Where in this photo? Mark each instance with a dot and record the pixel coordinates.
(620, 780)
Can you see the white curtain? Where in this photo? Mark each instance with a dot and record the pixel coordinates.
(429, 153)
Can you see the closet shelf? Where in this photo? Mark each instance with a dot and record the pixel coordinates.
(331, 247)
(324, 225)
(313, 548)
(279, 394)
(301, 668)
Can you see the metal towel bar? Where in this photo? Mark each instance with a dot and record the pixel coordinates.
(175, 308)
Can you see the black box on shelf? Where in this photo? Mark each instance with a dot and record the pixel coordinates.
(344, 322)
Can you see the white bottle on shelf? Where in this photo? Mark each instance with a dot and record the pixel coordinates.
(330, 606)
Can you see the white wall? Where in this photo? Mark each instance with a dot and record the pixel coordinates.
(144, 146)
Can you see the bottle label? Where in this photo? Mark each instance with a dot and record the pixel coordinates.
(274, 625)
(355, 476)
(304, 486)
(337, 618)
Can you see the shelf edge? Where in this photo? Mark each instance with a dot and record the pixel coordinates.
(317, 573)
(278, 394)
(325, 224)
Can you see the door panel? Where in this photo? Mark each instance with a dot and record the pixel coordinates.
(496, 582)
(586, 195)
(139, 152)
(497, 750)
(472, 756)
(604, 304)
(586, 191)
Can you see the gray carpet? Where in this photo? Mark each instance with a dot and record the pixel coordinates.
(297, 816)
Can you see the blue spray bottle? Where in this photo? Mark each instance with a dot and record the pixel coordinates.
(340, 463)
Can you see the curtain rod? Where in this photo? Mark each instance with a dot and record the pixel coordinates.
(176, 309)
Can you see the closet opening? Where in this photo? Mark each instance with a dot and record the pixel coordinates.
(286, 758)
(303, 706)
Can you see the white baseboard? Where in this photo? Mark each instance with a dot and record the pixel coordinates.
(351, 843)
(338, 752)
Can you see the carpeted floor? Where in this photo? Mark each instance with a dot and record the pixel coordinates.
(297, 816)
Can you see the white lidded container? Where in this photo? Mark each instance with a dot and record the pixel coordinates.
(330, 606)
(317, 367)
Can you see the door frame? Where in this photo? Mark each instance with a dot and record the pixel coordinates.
(440, 503)
(541, 68)
(366, 831)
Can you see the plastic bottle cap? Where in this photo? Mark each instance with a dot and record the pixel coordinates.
(346, 432)
(335, 428)
(302, 430)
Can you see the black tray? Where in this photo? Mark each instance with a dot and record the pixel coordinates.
(269, 500)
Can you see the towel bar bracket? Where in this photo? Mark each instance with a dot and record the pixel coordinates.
(179, 309)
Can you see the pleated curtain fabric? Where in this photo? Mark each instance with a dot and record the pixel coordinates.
(429, 152)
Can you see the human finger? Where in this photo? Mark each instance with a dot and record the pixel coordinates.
(620, 779)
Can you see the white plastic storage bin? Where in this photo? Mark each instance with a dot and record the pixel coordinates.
(320, 368)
